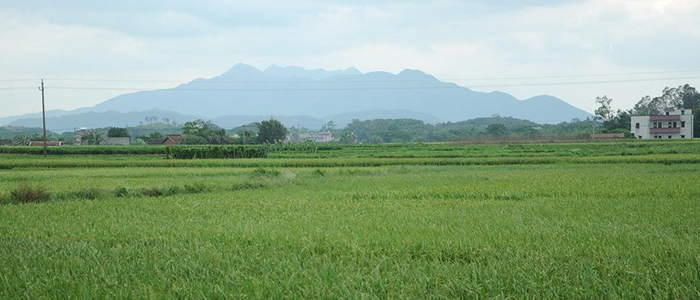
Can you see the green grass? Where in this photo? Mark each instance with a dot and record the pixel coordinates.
(589, 226)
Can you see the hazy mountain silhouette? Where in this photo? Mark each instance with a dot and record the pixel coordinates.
(246, 91)
(308, 98)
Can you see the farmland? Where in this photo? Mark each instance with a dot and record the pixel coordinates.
(547, 220)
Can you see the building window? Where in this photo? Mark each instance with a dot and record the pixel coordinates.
(682, 136)
(669, 136)
(640, 136)
(675, 124)
(667, 113)
(636, 126)
(669, 124)
(682, 111)
(682, 124)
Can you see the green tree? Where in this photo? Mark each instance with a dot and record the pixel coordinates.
(604, 111)
(271, 131)
(206, 131)
(328, 126)
(246, 135)
(497, 130)
(117, 132)
(21, 140)
(196, 127)
(93, 137)
(156, 136)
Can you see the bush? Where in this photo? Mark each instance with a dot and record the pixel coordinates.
(195, 188)
(120, 192)
(260, 172)
(162, 191)
(318, 172)
(27, 194)
(89, 193)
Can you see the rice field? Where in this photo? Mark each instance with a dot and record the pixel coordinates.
(441, 221)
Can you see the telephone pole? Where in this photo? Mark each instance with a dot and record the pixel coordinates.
(43, 116)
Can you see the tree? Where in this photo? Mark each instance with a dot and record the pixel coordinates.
(156, 136)
(93, 137)
(117, 132)
(246, 135)
(604, 112)
(328, 126)
(196, 127)
(497, 130)
(21, 140)
(206, 131)
(271, 131)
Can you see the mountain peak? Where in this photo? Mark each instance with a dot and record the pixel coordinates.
(241, 69)
(299, 72)
(415, 75)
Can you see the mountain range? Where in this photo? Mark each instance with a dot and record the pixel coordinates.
(296, 95)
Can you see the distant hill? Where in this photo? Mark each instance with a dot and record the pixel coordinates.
(69, 122)
(294, 91)
(8, 132)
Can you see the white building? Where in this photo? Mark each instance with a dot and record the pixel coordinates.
(320, 137)
(675, 124)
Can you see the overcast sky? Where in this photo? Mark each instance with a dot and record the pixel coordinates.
(183, 40)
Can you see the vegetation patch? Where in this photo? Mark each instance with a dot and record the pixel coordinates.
(266, 173)
(91, 193)
(25, 193)
(216, 152)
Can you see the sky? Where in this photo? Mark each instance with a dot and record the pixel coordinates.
(484, 44)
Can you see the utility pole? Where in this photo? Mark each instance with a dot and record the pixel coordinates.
(43, 116)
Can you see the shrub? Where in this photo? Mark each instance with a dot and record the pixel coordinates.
(247, 186)
(195, 188)
(162, 191)
(120, 192)
(26, 194)
(89, 193)
(261, 172)
(153, 192)
(318, 172)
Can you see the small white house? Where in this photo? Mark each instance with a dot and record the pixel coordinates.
(674, 124)
(320, 137)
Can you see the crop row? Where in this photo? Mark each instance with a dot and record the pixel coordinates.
(341, 162)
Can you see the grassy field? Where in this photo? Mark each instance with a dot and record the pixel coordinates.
(585, 220)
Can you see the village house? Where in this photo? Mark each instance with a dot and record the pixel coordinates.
(170, 139)
(674, 124)
(319, 137)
